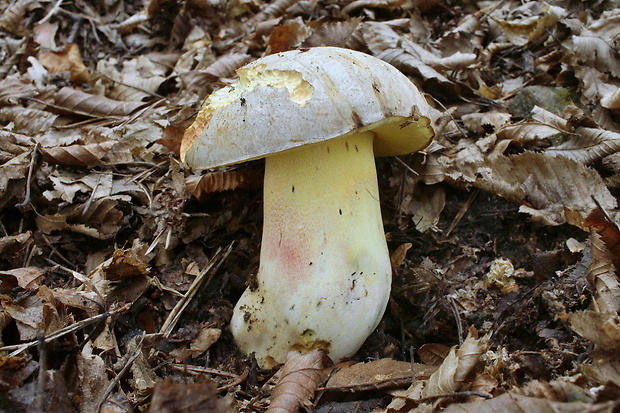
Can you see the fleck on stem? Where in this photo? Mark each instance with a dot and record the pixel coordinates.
(324, 276)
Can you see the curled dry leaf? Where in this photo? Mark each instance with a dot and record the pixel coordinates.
(602, 276)
(78, 155)
(433, 354)
(226, 65)
(201, 185)
(299, 378)
(457, 366)
(27, 277)
(83, 103)
(36, 313)
(27, 121)
(588, 145)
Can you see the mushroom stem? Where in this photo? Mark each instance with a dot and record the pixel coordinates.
(324, 276)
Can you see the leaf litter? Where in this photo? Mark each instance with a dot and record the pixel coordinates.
(115, 294)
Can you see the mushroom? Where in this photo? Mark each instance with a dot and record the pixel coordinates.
(319, 116)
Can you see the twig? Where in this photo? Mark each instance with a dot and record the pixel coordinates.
(40, 400)
(33, 159)
(52, 11)
(200, 370)
(461, 212)
(63, 331)
(178, 309)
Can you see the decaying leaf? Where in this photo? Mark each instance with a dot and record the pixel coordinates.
(299, 378)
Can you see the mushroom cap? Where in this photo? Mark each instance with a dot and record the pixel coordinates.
(295, 98)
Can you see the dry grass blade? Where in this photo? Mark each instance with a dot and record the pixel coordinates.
(300, 376)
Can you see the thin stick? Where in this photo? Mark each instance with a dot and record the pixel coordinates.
(120, 374)
(63, 331)
(33, 158)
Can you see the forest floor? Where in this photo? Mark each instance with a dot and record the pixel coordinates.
(120, 266)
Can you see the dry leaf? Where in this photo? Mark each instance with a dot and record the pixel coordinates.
(171, 397)
(514, 403)
(377, 375)
(602, 329)
(35, 314)
(457, 366)
(83, 103)
(201, 185)
(26, 277)
(383, 4)
(287, 36)
(588, 145)
(299, 378)
(335, 34)
(530, 21)
(433, 354)
(13, 15)
(67, 60)
(553, 190)
(602, 275)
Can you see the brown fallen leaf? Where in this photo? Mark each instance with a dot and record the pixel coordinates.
(378, 375)
(433, 354)
(83, 103)
(514, 403)
(299, 378)
(68, 59)
(171, 396)
(287, 36)
(457, 366)
(12, 18)
(27, 277)
(202, 185)
(602, 276)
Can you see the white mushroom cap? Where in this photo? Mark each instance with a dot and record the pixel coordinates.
(296, 98)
